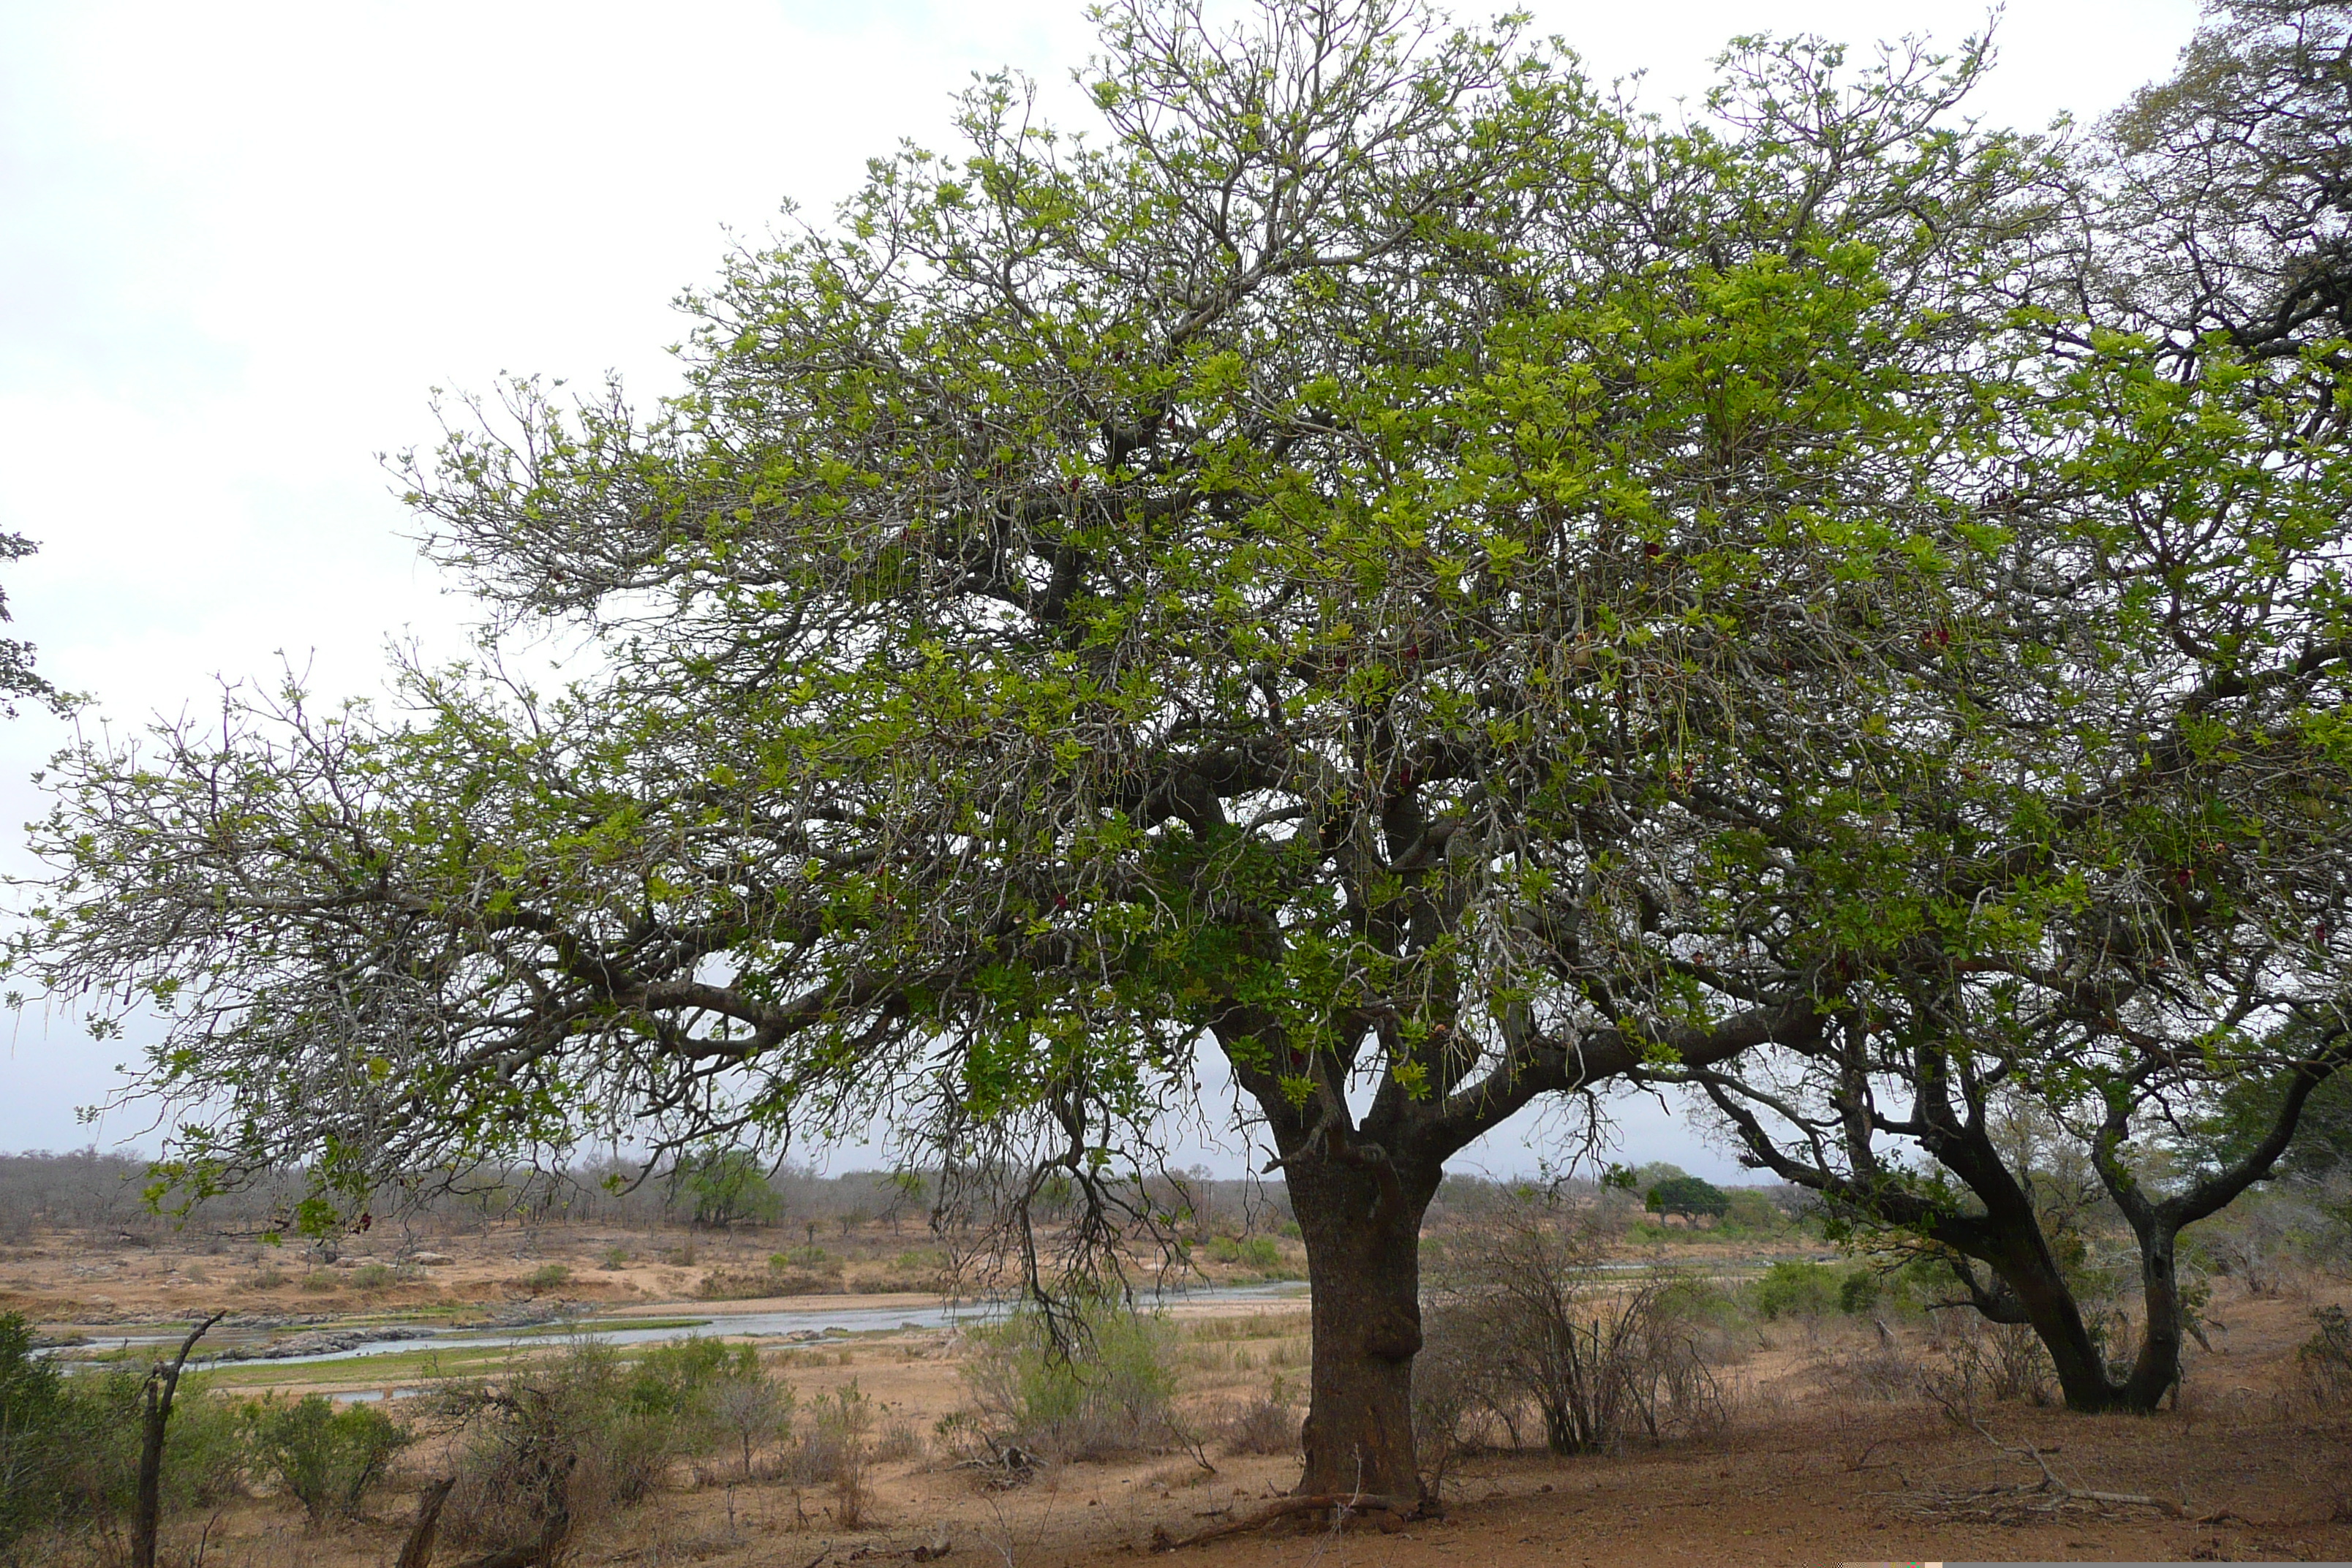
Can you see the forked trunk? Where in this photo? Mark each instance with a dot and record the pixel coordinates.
(1362, 1230)
(2057, 1322)
(2084, 1376)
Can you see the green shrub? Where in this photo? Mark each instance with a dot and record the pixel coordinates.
(69, 1445)
(1107, 1393)
(676, 1383)
(1858, 1292)
(596, 1432)
(744, 1406)
(834, 1449)
(320, 1283)
(1686, 1299)
(549, 1277)
(372, 1276)
(831, 1442)
(1795, 1290)
(325, 1457)
(564, 1433)
(32, 1417)
(268, 1277)
(615, 1257)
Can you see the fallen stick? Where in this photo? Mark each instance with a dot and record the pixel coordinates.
(2056, 1488)
(1356, 1502)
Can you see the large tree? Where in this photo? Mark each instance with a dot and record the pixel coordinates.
(1385, 562)
(2123, 844)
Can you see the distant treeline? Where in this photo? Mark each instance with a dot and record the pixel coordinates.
(88, 1190)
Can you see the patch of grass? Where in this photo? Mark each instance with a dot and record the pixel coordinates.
(1249, 1326)
(547, 1276)
(1259, 1252)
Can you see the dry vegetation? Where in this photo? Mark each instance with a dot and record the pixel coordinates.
(1748, 1395)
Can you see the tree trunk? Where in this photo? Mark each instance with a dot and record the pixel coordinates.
(1362, 1224)
(2158, 1367)
(2057, 1321)
(154, 1419)
(2019, 1253)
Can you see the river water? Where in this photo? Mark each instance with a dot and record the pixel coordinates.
(804, 1320)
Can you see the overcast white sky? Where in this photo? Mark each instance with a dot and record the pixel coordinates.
(240, 243)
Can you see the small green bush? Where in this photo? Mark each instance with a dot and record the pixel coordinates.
(320, 1284)
(1107, 1393)
(584, 1431)
(548, 1277)
(615, 1257)
(32, 1414)
(831, 1442)
(325, 1457)
(1795, 1290)
(268, 1277)
(371, 1277)
(1858, 1292)
(676, 1384)
(69, 1445)
(1686, 1299)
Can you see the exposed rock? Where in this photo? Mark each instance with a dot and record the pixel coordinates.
(333, 1341)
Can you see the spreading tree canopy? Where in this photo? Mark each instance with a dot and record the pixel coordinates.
(1689, 1196)
(1383, 561)
(2125, 871)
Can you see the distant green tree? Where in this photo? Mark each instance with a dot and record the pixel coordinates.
(1753, 1210)
(729, 1188)
(1689, 1196)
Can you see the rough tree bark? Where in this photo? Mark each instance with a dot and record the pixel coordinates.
(1360, 1186)
(1362, 1224)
